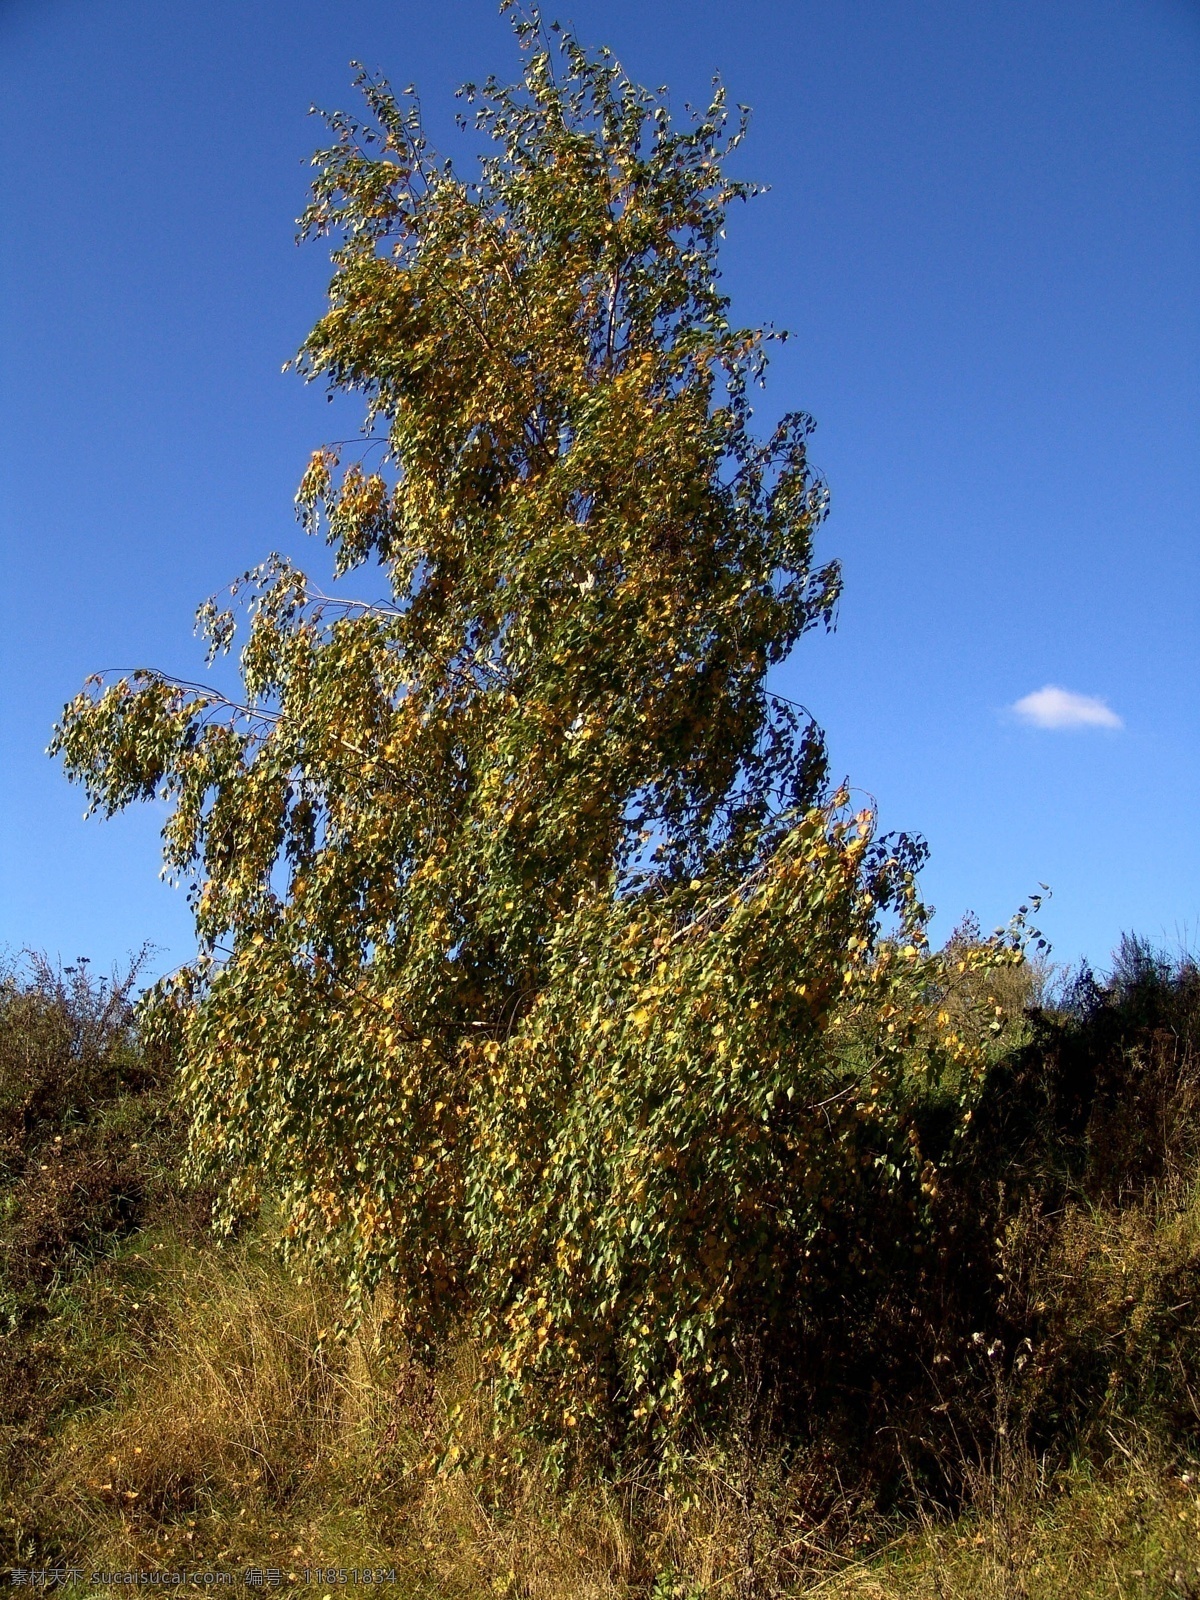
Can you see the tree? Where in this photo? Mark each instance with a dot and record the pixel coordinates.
(531, 933)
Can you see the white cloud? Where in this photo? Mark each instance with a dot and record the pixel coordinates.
(1053, 707)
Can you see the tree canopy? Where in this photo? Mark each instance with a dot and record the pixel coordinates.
(542, 974)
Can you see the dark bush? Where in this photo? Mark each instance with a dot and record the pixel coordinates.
(1050, 1283)
(87, 1140)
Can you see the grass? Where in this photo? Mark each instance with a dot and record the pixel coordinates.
(1129, 1535)
(225, 1432)
(169, 1402)
(235, 1435)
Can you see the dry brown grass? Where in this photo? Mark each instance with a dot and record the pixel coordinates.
(242, 1433)
(240, 1436)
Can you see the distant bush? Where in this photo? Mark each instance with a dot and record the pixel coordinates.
(1045, 1282)
(1102, 1115)
(88, 1147)
(1064, 1268)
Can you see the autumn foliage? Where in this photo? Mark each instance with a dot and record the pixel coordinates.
(544, 981)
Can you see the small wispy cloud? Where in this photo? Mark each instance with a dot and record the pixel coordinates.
(1053, 707)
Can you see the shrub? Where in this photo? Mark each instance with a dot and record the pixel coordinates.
(86, 1146)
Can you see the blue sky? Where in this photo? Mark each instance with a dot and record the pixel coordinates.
(983, 233)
